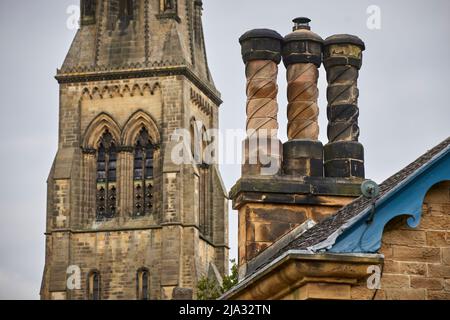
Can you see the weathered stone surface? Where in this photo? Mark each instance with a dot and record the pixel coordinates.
(446, 256)
(182, 294)
(325, 291)
(261, 44)
(406, 268)
(438, 295)
(261, 224)
(447, 285)
(261, 52)
(436, 223)
(412, 268)
(361, 292)
(427, 283)
(303, 158)
(406, 294)
(303, 110)
(342, 60)
(438, 271)
(437, 239)
(404, 237)
(394, 281)
(262, 90)
(416, 254)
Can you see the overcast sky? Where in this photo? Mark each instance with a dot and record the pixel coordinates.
(404, 87)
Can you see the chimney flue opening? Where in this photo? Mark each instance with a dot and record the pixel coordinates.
(301, 23)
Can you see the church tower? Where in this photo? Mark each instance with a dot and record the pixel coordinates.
(125, 220)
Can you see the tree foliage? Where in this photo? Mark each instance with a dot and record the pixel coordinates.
(209, 290)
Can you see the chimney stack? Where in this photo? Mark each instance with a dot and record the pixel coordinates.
(344, 155)
(315, 181)
(302, 55)
(261, 53)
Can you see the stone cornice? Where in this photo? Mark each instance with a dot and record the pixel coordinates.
(135, 228)
(296, 269)
(292, 190)
(102, 75)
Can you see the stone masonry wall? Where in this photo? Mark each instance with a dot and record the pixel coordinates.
(260, 225)
(417, 261)
(167, 243)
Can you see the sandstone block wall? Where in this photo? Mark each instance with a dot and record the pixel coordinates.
(260, 225)
(417, 261)
(168, 242)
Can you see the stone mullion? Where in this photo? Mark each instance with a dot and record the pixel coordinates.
(125, 178)
(201, 203)
(205, 202)
(89, 188)
(208, 196)
(157, 178)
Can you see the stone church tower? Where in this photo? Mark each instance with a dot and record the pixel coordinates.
(125, 221)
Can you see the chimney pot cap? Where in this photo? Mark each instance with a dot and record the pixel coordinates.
(301, 23)
(345, 39)
(303, 35)
(302, 32)
(261, 44)
(260, 33)
(302, 20)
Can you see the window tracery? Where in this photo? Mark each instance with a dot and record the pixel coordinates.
(106, 177)
(143, 174)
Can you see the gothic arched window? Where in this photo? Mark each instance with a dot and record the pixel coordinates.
(142, 284)
(106, 177)
(169, 5)
(143, 174)
(121, 13)
(126, 10)
(87, 11)
(168, 9)
(94, 286)
(204, 171)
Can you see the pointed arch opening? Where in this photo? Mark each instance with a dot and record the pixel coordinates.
(121, 14)
(87, 12)
(96, 129)
(94, 285)
(196, 143)
(134, 125)
(143, 174)
(126, 10)
(143, 284)
(106, 198)
(204, 170)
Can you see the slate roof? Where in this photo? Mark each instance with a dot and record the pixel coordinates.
(323, 230)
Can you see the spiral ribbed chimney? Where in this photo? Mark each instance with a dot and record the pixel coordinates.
(344, 155)
(302, 56)
(261, 53)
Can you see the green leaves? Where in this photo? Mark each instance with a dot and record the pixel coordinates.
(209, 290)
